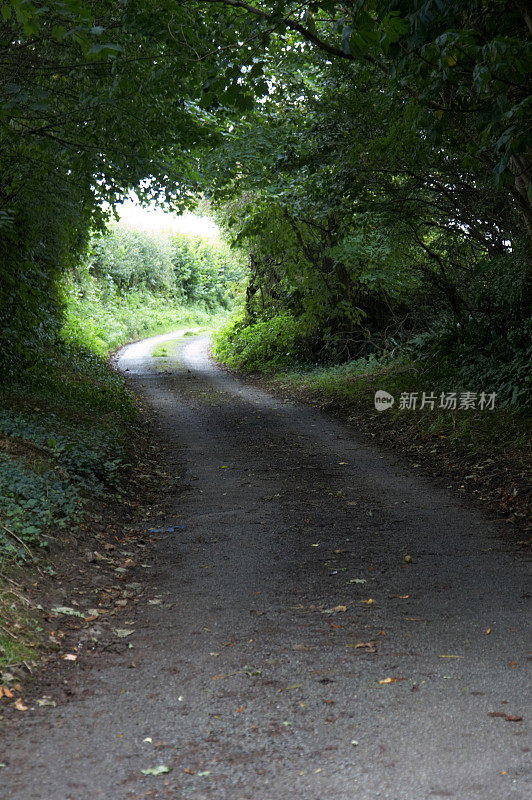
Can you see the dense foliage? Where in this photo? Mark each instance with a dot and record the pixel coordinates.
(132, 284)
(63, 440)
(84, 89)
(373, 158)
(384, 193)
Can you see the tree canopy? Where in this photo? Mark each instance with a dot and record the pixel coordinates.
(373, 157)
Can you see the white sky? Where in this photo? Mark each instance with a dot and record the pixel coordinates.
(155, 220)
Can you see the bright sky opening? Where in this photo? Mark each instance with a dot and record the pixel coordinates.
(155, 220)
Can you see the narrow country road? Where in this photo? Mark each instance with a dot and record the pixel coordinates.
(292, 653)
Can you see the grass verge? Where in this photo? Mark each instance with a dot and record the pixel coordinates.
(64, 431)
(484, 454)
(102, 324)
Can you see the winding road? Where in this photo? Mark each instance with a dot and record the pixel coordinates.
(324, 624)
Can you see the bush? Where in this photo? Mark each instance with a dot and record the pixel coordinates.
(263, 346)
(481, 355)
(128, 259)
(32, 501)
(64, 426)
(134, 284)
(102, 319)
(187, 268)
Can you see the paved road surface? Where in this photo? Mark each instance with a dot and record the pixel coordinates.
(247, 682)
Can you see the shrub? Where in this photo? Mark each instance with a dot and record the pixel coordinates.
(263, 346)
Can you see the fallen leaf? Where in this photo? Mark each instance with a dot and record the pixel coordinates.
(160, 770)
(70, 657)
(408, 559)
(390, 680)
(357, 580)
(288, 688)
(204, 773)
(66, 610)
(46, 701)
(368, 602)
(122, 632)
(488, 631)
(243, 708)
(5, 691)
(252, 671)
(189, 771)
(302, 647)
(19, 705)
(369, 646)
(335, 610)
(505, 717)
(450, 656)
(399, 596)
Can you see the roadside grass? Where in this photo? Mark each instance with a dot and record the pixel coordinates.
(68, 426)
(63, 440)
(486, 453)
(64, 433)
(104, 324)
(20, 632)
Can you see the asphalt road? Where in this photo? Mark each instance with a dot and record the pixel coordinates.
(290, 651)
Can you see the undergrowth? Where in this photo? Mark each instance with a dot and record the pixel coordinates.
(103, 322)
(63, 433)
(488, 439)
(480, 432)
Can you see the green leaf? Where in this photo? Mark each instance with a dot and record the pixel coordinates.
(58, 33)
(160, 770)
